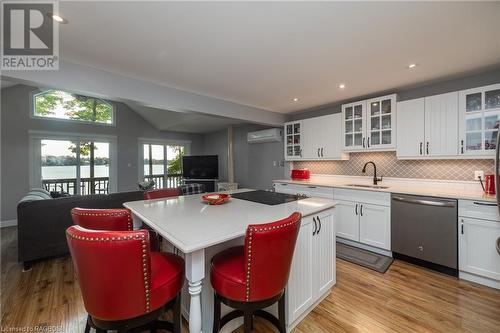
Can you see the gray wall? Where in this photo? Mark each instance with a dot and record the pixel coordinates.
(435, 88)
(253, 163)
(16, 122)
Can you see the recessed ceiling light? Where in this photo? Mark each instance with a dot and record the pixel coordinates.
(411, 66)
(342, 86)
(295, 99)
(57, 18)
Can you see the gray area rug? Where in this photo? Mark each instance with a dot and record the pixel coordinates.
(375, 261)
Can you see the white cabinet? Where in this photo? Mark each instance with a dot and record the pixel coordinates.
(441, 125)
(347, 220)
(428, 127)
(353, 126)
(375, 226)
(478, 238)
(313, 265)
(411, 128)
(478, 249)
(316, 138)
(479, 116)
(381, 122)
(370, 124)
(364, 217)
(293, 140)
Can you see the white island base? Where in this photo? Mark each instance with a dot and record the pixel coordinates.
(311, 278)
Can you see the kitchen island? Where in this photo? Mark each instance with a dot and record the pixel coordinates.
(199, 231)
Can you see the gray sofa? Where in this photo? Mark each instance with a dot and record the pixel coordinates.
(42, 221)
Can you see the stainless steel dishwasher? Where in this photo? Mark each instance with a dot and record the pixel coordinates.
(424, 231)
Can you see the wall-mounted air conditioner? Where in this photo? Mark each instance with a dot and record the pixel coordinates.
(268, 135)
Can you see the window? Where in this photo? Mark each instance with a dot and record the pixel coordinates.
(75, 165)
(162, 162)
(59, 104)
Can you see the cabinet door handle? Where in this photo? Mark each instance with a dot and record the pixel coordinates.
(363, 142)
(315, 226)
(319, 222)
(368, 142)
(361, 210)
(498, 245)
(318, 152)
(462, 227)
(321, 152)
(462, 146)
(427, 148)
(300, 152)
(484, 204)
(356, 209)
(421, 146)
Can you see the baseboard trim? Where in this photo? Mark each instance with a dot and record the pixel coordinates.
(383, 252)
(8, 223)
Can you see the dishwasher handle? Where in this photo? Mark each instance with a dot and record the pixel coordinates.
(425, 202)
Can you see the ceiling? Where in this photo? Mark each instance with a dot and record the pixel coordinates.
(166, 120)
(263, 54)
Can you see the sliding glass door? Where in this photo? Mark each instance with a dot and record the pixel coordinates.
(163, 163)
(73, 165)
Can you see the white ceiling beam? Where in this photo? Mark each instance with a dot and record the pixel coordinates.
(95, 82)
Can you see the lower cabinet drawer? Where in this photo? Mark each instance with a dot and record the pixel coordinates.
(485, 210)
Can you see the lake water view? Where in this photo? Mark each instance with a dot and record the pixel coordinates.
(69, 171)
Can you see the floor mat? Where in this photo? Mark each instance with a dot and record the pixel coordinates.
(375, 261)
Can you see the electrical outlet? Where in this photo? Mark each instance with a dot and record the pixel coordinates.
(479, 174)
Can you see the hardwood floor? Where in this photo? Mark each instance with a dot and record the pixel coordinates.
(404, 299)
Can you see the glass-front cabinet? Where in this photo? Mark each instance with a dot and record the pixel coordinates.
(353, 125)
(370, 124)
(381, 125)
(479, 120)
(293, 140)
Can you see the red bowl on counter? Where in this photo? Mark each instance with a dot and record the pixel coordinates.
(300, 174)
(216, 198)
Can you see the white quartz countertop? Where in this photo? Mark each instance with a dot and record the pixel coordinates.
(435, 190)
(190, 225)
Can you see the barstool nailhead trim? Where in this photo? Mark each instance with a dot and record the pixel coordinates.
(115, 214)
(144, 256)
(251, 230)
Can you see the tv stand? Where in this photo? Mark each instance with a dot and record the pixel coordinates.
(210, 184)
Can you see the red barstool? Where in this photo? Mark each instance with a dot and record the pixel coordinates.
(115, 219)
(125, 286)
(252, 277)
(161, 193)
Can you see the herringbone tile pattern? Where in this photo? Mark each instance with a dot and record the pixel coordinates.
(389, 166)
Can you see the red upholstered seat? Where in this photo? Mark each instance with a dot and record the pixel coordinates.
(258, 270)
(161, 193)
(228, 273)
(167, 277)
(115, 219)
(119, 277)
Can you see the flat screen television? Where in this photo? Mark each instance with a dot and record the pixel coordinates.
(200, 167)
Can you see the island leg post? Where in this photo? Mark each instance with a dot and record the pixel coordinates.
(195, 272)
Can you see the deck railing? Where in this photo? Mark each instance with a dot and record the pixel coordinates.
(166, 182)
(100, 185)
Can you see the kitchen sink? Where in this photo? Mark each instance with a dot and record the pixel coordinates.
(368, 186)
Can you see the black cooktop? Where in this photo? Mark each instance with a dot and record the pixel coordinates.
(267, 197)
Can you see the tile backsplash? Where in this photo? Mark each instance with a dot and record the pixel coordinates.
(389, 166)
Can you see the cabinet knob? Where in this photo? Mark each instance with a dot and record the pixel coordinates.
(421, 248)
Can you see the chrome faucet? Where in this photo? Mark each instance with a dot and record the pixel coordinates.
(375, 178)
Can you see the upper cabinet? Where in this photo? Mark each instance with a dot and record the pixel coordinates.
(479, 111)
(428, 127)
(316, 138)
(370, 124)
(293, 140)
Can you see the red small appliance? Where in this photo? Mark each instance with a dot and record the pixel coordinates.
(301, 174)
(489, 184)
